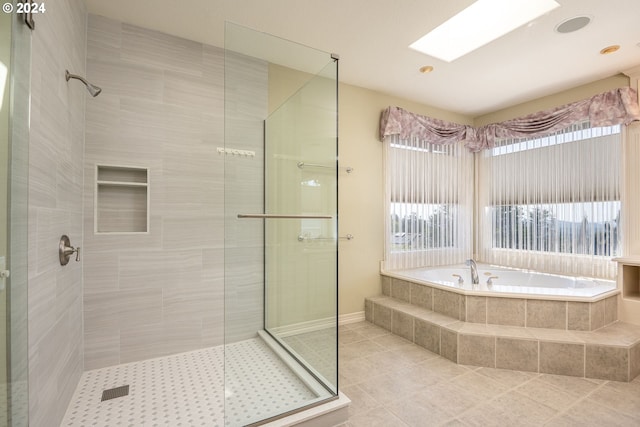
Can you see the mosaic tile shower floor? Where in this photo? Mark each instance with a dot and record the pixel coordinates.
(187, 390)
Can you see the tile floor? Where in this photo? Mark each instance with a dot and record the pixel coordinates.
(392, 382)
(187, 389)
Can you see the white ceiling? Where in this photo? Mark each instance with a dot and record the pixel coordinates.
(371, 37)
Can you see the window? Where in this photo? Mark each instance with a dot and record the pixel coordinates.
(553, 203)
(429, 203)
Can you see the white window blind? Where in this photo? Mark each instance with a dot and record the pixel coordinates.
(553, 203)
(428, 203)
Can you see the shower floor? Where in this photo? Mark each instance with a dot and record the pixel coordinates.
(187, 389)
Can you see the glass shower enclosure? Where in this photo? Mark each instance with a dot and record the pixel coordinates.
(281, 217)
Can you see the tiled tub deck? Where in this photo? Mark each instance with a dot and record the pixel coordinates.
(581, 339)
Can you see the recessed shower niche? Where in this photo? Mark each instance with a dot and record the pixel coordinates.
(121, 199)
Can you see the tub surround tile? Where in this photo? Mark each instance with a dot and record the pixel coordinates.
(546, 314)
(578, 316)
(385, 282)
(449, 344)
(607, 353)
(634, 360)
(422, 296)
(427, 335)
(506, 311)
(402, 324)
(562, 359)
(368, 311)
(515, 354)
(607, 363)
(477, 350)
(401, 290)
(447, 303)
(382, 316)
(597, 314)
(476, 309)
(610, 310)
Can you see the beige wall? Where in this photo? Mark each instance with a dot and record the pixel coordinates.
(361, 192)
(565, 97)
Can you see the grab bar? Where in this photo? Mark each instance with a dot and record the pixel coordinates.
(301, 165)
(277, 216)
(302, 238)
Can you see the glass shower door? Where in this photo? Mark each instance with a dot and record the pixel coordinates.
(301, 252)
(280, 353)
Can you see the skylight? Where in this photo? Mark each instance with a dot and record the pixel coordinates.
(479, 24)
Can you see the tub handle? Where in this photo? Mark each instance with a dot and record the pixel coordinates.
(490, 280)
(460, 279)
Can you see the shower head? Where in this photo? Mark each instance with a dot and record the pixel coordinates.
(93, 90)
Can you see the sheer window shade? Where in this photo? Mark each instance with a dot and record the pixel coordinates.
(428, 202)
(553, 203)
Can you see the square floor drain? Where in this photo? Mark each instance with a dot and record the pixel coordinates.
(113, 393)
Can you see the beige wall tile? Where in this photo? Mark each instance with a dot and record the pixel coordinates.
(634, 361)
(597, 314)
(607, 363)
(401, 289)
(422, 296)
(402, 324)
(385, 281)
(382, 316)
(476, 309)
(515, 354)
(447, 303)
(562, 359)
(578, 316)
(449, 344)
(610, 309)
(506, 311)
(477, 350)
(427, 335)
(546, 314)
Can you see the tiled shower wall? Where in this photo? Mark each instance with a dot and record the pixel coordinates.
(56, 144)
(162, 108)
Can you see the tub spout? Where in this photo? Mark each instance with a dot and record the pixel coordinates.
(474, 271)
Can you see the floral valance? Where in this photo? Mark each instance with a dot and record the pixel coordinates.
(617, 106)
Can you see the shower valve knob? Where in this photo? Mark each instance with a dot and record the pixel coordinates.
(65, 250)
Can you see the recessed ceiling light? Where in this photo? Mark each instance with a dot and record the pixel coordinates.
(479, 24)
(426, 69)
(610, 49)
(573, 24)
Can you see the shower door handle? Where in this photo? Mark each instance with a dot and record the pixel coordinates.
(277, 216)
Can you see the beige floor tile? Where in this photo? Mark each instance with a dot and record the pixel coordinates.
(361, 401)
(621, 397)
(452, 398)
(388, 362)
(548, 394)
(587, 413)
(359, 349)
(572, 385)
(389, 387)
(358, 370)
(506, 377)
(413, 354)
(510, 409)
(415, 411)
(379, 417)
(349, 336)
(390, 341)
(369, 330)
(444, 368)
(479, 384)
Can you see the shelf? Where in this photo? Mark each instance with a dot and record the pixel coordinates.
(629, 277)
(121, 200)
(123, 184)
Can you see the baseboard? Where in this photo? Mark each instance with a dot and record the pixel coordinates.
(345, 319)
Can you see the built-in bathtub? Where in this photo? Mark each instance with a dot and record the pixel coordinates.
(512, 297)
(509, 282)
